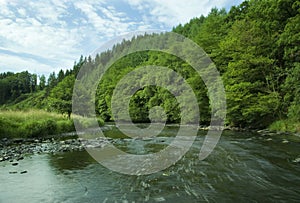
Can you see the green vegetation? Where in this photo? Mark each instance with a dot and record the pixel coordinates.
(285, 126)
(255, 46)
(37, 123)
(33, 123)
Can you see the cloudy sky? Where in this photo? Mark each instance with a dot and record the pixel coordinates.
(43, 36)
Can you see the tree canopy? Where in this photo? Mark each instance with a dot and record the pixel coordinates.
(255, 46)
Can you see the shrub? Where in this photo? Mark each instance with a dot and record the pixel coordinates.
(65, 126)
(285, 126)
(33, 128)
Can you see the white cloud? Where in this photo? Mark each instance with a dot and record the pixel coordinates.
(22, 64)
(5, 10)
(107, 22)
(172, 13)
(45, 33)
(35, 38)
(22, 11)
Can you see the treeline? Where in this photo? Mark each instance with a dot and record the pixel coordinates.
(255, 46)
(15, 87)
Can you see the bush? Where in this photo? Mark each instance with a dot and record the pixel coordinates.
(50, 127)
(285, 126)
(65, 126)
(8, 128)
(33, 129)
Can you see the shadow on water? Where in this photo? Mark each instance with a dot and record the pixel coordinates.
(76, 160)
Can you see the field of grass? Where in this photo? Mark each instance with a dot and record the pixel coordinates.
(33, 124)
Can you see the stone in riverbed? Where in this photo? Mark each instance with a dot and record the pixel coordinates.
(159, 199)
(297, 160)
(20, 158)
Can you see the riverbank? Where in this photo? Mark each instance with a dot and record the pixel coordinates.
(14, 150)
(285, 126)
(35, 124)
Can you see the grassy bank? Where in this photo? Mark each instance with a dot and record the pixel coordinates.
(285, 126)
(34, 123)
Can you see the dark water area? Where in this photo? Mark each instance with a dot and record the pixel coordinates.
(244, 167)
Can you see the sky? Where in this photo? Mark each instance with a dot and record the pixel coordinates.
(43, 36)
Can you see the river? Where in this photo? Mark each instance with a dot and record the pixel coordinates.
(244, 167)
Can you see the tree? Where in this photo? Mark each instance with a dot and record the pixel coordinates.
(60, 75)
(52, 80)
(61, 96)
(289, 48)
(42, 83)
(251, 94)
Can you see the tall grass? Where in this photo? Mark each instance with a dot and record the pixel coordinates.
(33, 124)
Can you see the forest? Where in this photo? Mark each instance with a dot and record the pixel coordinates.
(255, 46)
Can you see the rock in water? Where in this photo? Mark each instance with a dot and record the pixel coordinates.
(297, 160)
(20, 158)
(159, 199)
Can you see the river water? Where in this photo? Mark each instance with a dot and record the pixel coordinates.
(244, 167)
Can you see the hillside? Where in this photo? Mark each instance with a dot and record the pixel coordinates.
(255, 46)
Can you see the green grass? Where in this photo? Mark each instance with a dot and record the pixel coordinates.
(27, 101)
(285, 126)
(34, 124)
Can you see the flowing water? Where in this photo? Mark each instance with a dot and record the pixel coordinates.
(244, 167)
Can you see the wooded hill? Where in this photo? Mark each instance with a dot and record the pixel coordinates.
(255, 46)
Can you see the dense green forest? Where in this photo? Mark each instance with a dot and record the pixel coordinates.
(255, 46)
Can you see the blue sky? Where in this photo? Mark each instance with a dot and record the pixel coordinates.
(43, 36)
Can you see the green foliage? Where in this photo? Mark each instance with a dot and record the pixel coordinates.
(285, 126)
(16, 124)
(292, 87)
(255, 46)
(255, 65)
(65, 126)
(61, 95)
(14, 85)
(35, 128)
